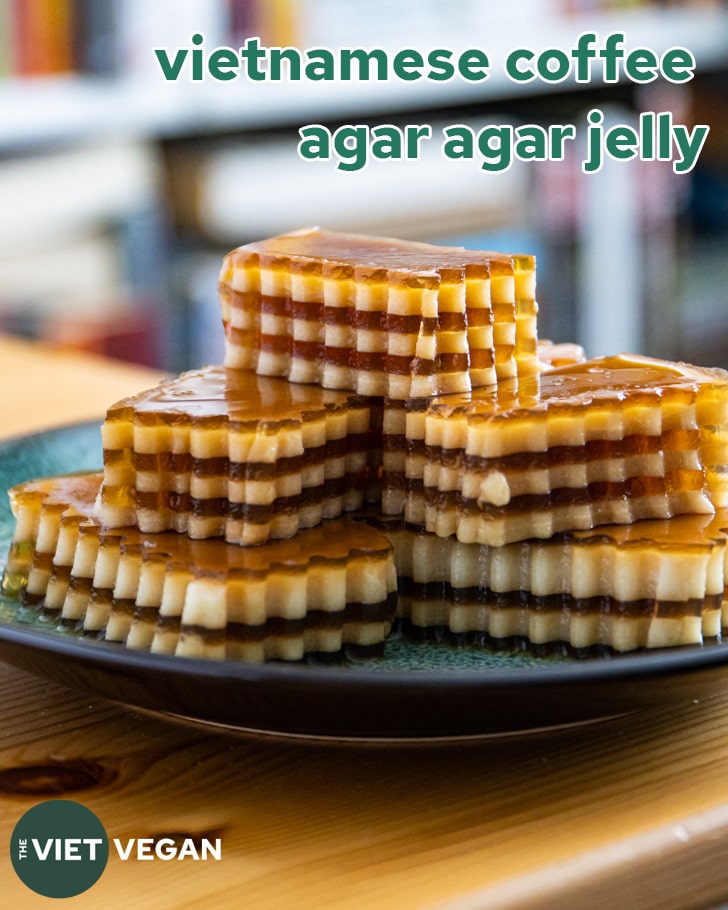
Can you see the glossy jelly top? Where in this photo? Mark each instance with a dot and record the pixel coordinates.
(604, 379)
(379, 252)
(623, 372)
(335, 540)
(559, 354)
(73, 491)
(239, 395)
(683, 531)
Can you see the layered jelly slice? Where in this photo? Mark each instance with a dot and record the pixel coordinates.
(402, 453)
(611, 440)
(221, 452)
(377, 315)
(652, 584)
(331, 586)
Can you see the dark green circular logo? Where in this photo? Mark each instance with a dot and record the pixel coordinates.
(59, 848)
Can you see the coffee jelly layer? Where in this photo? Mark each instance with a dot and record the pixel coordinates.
(651, 584)
(615, 439)
(377, 315)
(328, 587)
(222, 452)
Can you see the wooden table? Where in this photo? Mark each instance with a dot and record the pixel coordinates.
(628, 812)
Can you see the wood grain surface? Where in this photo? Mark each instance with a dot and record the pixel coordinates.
(43, 386)
(631, 812)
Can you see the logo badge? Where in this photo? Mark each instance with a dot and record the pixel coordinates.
(59, 848)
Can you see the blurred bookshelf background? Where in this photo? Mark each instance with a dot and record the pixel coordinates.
(120, 192)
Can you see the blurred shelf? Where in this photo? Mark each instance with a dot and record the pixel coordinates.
(38, 111)
(222, 192)
(91, 193)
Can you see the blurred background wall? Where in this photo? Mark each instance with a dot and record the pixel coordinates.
(120, 192)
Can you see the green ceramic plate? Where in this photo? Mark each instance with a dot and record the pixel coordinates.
(414, 691)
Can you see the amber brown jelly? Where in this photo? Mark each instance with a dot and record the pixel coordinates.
(216, 396)
(330, 545)
(609, 385)
(366, 270)
(671, 570)
(239, 401)
(316, 250)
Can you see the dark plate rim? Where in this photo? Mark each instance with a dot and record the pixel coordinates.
(631, 666)
(622, 668)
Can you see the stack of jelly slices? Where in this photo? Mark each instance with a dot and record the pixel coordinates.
(498, 485)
